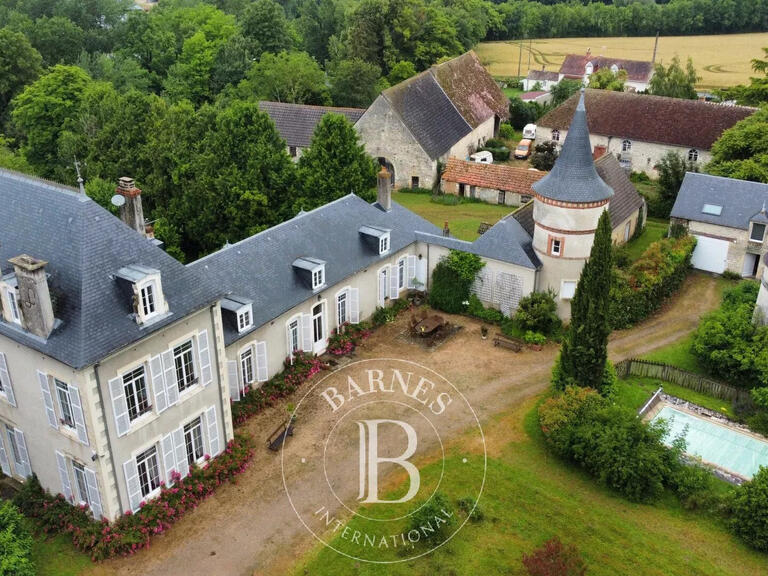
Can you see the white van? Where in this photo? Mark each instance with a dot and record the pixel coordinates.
(483, 157)
(529, 132)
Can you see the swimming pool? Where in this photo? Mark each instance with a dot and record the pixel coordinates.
(716, 444)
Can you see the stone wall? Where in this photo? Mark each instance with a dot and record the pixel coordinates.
(490, 195)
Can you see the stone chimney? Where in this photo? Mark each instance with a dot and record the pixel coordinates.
(34, 297)
(131, 212)
(384, 196)
(446, 229)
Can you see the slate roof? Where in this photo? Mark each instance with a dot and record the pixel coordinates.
(296, 122)
(543, 76)
(524, 215)
(471, 88)
(445, 103)
(574, 66)
(85, 246)
(573, 177)
(260, 269)
(428, 113)
(672, 121)
(494, 176)
(741, 200)
(626, 200)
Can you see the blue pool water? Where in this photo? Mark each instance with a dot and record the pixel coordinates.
(719, 445)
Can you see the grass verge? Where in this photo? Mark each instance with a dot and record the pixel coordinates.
(633, 392)
(655, 230)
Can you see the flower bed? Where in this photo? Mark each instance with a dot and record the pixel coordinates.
(253, 401)
(132, 532)
(345, 341)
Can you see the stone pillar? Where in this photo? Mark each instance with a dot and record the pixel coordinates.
(131, 212)
(34, 298)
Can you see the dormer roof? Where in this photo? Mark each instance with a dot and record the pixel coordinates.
(574, 178)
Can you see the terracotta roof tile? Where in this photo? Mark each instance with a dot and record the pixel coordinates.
(673, 121)
(493, 176)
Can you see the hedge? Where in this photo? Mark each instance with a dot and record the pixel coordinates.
(132, 532)
(657, 274)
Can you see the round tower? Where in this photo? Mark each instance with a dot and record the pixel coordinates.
(566, 207)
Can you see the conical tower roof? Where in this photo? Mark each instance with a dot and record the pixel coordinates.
(573, 177)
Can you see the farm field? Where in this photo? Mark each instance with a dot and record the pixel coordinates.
(721, 61)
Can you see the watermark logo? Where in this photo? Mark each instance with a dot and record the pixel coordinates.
(373, 470)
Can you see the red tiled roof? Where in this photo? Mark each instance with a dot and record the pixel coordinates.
(532, 95)
(574, 66)
(493, 176)
(673, 121)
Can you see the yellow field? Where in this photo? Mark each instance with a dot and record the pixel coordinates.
(721, 61)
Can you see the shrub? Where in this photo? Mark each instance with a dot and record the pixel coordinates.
(15, 543)
(538, 312)
(544, 156)
(656, 275)
(494, 143)
(507, 132)
(471, 508)
(491, 315)
(452, 281)
(730, 275)
(345, 340)
(536, 338)
(729, 345)
(695, 487)
(748, 509)
(296, 372)
(433, 519)
(554, 559)
(610, 443)
(500, 154)
(132, 532)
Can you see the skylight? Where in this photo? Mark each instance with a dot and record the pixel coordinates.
(712, 209)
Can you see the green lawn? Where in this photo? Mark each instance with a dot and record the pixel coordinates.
(655, 229)
(634, 392)
(531, 496)
(677, 354)
(463, 219)
(512, 92)
(56, 556)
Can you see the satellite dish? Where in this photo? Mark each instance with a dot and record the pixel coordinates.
(118, 200)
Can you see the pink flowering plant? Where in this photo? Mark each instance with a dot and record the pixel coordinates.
(297, 371)
(133, 531)
(344, 340)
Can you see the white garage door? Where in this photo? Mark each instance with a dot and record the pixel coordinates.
(710, 254)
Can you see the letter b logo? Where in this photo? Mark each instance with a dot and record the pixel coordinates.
(370, 459)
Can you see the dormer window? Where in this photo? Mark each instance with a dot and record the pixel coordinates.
(244, 320)
(241, 310)
(318, 278)
(376, 239)
(384, 244)
(311, 271)
(145, 289)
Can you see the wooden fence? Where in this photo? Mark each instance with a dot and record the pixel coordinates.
(696, 382)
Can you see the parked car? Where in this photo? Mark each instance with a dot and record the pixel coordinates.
(529, 131)
(523, 149)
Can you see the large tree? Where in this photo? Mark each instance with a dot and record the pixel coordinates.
(58, 39)
(605, 79)
(672, 169)
(756, 92)
(20, 64)
(742, 151)
(292, 77)
(584, 354)
(355, 82)
(335, 164)
(265, 28)
(674, 80)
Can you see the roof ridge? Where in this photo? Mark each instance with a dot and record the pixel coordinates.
(51, 184)
(314, 106)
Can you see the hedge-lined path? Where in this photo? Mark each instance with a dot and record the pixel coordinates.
(249, 527)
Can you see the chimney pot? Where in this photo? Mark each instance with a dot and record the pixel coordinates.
(384, 189)
(34, 295)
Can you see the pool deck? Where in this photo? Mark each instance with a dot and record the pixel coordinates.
(715, 418)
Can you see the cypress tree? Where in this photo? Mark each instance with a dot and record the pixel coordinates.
(584, 354)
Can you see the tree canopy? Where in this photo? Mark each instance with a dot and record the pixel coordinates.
(674, 80)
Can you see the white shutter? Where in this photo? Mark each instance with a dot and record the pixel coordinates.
(119, 406)
(354, 305)
(47, 400)
(288, 343)
(411, 267)
(4, 464)
(5, 376)
(394, 291)
(206, 374)
(306, 332)
(77, 413)
(66, 487)
(213, 431)
(171, 384)
(158, 383)
(182, 465)
(94, 496)
(234, 382)
(23, 454)
(421, 272)
(382, 287)
(262, 370)
(169, 457)
(132, 483)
